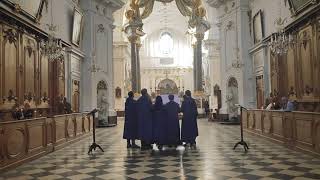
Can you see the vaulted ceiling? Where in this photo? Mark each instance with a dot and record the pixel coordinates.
(165, 16)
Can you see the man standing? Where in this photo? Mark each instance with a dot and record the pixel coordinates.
(131, 123)
(189, 129)
(173, 127)
(145, 120)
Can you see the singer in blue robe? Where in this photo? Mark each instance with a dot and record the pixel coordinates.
(145, 120)
(131, 121)
(173, 127)
(159, 123)
(189, 128)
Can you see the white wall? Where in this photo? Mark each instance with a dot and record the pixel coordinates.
(150, 50)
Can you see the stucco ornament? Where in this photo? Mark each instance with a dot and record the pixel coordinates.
(191, 8)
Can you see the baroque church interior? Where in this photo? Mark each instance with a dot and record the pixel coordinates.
(68, 68)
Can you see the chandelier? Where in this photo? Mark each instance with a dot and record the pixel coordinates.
(52, 47)
(280, 40)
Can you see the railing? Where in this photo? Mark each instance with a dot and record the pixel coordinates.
(22, 140)
(296, 129)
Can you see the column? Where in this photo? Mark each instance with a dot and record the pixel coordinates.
(134, 75)
(198, 63)
(138, 81)
(195, 78)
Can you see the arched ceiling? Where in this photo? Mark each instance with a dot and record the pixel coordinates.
(165, 16)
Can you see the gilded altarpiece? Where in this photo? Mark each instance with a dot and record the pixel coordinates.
(297, 73)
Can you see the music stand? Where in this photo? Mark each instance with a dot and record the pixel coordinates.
(241, 142)
(94, 145)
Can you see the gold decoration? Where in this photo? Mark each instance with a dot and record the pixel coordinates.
(200, 12)
(129, 14)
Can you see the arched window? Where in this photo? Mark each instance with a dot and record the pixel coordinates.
(166, 43)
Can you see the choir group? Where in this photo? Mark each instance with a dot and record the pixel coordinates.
(158, 123)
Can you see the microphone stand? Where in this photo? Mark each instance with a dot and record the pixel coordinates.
(241, 142)
(94, 144)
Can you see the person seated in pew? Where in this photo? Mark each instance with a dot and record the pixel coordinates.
(159, 128)
(286, 105)
(130, 132)
(173, 127)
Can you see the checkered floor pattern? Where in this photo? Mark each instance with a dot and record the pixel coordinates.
(213, 159)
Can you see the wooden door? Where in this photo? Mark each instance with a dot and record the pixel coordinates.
(260, 92)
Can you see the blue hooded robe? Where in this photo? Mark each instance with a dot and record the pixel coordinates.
(159, 122)
(145, 119)
(189, 128)
(173, 127)
(131, 119)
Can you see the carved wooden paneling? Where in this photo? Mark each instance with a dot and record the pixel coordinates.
(23, 140)
(44, 78)
(2, 155)
(244, 119)
(267, 123)
(49, 131)
(10, 55)
(305, 51)
(60, 129)
(30, 73)
(71, 126)
(291, 69)
(79, 124)
(288, 126)
(258, 120)
(295, 129)
(15, 140)
(304, 130)
(36, 135)
(86, 123)
(316, 62)
(1, 64)
(277, 124)
(251, 120)
(316, 133)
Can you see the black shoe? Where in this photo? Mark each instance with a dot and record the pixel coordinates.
(129, 146)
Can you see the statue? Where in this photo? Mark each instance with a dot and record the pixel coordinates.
(232, 108)
(103, 110)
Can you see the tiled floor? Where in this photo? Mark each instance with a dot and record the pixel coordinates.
(214, 158)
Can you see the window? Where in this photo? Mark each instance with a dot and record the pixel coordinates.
(166, 43)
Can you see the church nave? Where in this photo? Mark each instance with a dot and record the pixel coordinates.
(213, 159)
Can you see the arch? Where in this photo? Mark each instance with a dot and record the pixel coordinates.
(168, 86)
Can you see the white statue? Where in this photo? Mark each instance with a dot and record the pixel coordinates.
(103, 108)
(232, 108)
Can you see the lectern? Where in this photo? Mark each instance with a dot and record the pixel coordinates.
(94, 144)
(241, 142)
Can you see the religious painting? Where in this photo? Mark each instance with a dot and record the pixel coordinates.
(258, 32)
(31, 8)
(168, 86)
(297, 6)
(118, 92)
(77, 30)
